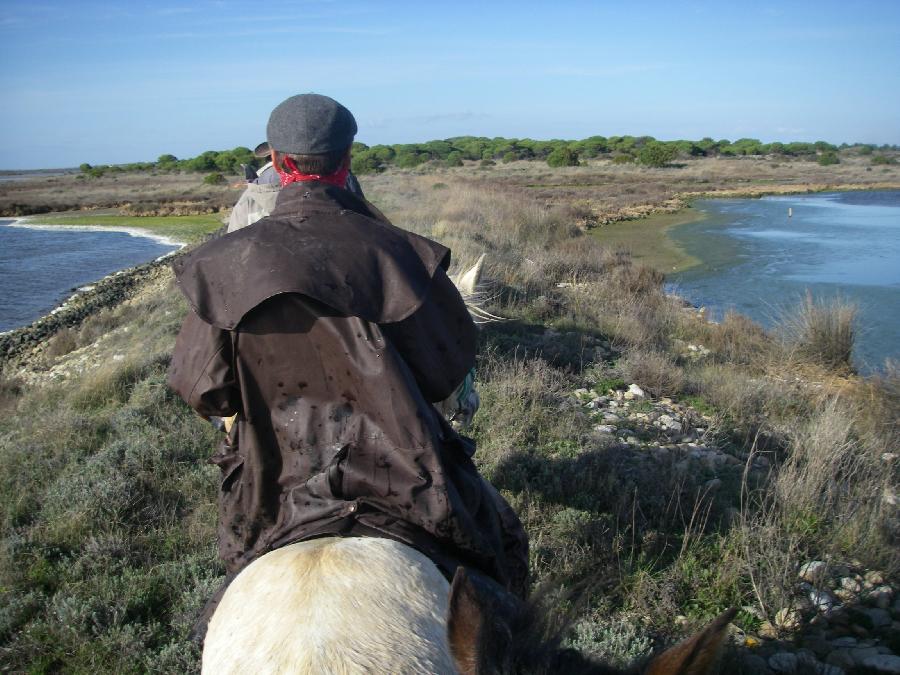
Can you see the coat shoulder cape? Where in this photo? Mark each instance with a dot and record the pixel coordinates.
(321, 242)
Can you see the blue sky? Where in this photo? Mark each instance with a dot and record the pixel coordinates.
(109, 82)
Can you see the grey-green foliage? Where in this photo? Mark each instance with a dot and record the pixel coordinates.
(615, 642)
(107, 512)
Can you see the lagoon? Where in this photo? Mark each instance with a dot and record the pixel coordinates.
(41, 266)
(760, 256)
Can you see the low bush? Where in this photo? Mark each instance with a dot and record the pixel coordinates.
(821, 332)
(563, 156)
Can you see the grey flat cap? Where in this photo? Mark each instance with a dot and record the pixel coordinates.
(310, 124)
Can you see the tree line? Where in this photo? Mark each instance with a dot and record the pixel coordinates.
(456, 151)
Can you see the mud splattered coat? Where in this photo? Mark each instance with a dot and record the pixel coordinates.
(330, 333)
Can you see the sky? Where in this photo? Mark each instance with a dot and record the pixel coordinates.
(115, 82)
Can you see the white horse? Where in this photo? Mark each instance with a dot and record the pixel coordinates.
(367, 605)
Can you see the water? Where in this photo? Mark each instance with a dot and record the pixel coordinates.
(758, 261)
(39, 268)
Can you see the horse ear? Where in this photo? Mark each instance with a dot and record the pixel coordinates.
(469, 280)
(465, 621)
(696, 655)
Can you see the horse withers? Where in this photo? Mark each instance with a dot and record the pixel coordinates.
(348, 606)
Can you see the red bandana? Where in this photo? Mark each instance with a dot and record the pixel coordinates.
(293, 175)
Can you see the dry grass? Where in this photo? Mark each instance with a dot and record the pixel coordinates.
(106, 471)
(821, 332)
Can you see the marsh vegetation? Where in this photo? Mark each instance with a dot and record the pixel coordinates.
(779, 454)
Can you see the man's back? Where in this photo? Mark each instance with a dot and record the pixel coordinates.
(331, 333)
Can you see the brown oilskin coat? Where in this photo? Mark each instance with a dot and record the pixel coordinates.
(330, 332)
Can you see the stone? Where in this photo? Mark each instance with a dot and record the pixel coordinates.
(712, 485)
(846, 641)
(828, 669)
(874, 577)
(783, 662)
(813, 571)
(879, 618)
(823, 601)
(818, 646)
(636, 391)
(753, 664)
(844, 595)
(787, 618)
(881, 596)
(850, 584)
(883, 663)
(841, 658)
(767, 630)
(605, 428)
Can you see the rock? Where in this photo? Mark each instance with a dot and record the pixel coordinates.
(813, 571)
(881, 596)
(872, 618)
(844, 595)
(841, 658)
(787, 618)
(767, 630)
(605, 428)
(827, 669)
(636, 391)
(822, 600)
(874, 578)
(820, 647)
(883, 663)
(783, 662)
(753, 664)
(846, 641)
(850, 584)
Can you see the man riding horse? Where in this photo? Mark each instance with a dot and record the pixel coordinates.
(330, 334)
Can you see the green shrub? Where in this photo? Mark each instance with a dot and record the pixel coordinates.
(828, 159)
(562, 157)
(214, 179)
(509, 157)
(882, 159)
(622, 159)
(454, 159)
(657, 154)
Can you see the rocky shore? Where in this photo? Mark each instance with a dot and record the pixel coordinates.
(23, 343)
(842, 619)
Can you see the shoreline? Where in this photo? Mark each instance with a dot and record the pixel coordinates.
(28, 223)
(644, 229)
(20, 343)
(648, 242)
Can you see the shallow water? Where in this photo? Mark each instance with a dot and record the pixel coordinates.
(758, 260)
(41, 268)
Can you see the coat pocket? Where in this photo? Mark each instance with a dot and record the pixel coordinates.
(229, 461)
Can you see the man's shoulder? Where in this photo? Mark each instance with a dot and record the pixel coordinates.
(358, 265)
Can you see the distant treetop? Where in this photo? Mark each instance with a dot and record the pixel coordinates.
(455, 151)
